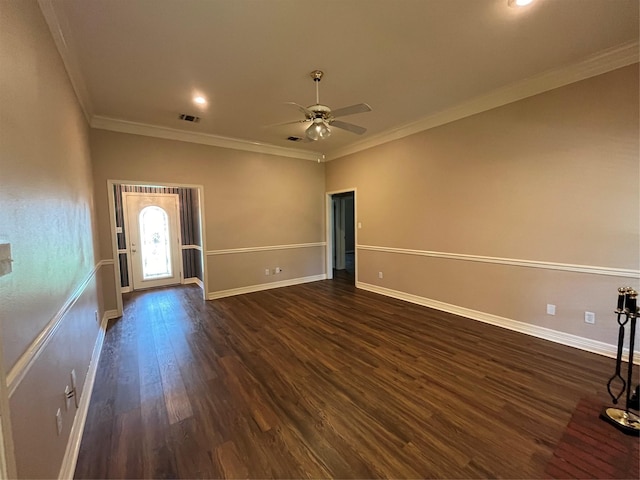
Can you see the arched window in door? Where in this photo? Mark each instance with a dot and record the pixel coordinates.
(155, 246)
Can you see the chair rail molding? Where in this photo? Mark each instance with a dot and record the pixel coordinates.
(566, 267)
(33, 352)
(229, 251)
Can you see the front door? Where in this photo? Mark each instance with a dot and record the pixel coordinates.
(153, 239)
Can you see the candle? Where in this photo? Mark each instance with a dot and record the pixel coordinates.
(622, 291)
(631, 302)
(626, 298)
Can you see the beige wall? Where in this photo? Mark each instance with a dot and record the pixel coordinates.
(250, 200)
(46, 214)
(551, 178)
(39, 450)
(248, 269)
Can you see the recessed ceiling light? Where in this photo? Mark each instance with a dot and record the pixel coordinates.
(519, 3)
(200, 100)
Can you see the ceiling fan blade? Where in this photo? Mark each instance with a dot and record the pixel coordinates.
(307, 113)
(350, 110)
(285, 123)
(349, 127)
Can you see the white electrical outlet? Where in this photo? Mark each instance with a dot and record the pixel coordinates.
(551, 309)
(74, 388)
(267, 271)
(67, 397)
(59, 421)
(589, 317)
(380, 275)
(278, 270)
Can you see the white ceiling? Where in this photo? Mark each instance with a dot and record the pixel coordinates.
(143, 60)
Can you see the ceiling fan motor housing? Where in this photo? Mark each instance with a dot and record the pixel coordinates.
(320, 111)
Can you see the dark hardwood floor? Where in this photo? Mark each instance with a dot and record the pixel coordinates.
(325, 381)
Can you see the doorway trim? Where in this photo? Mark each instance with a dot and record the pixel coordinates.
(330, 233)
(114, 243)
(7, 457)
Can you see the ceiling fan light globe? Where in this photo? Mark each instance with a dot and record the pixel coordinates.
(318, 131)
(325, 132)
(312, 133)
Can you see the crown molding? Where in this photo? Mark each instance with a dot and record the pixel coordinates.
(603, 62)
(65, 49)
(124, 126)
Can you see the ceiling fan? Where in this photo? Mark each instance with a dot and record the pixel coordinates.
(322, 117)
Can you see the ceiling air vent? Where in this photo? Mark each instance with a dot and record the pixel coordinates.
(189, 118)
(294, 139)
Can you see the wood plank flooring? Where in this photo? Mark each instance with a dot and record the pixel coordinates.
(325, 381)
(590, 449)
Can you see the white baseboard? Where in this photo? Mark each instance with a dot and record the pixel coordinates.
(110, 315)
(264, 286)
(568, 339)
(70, 459)
(194, 280)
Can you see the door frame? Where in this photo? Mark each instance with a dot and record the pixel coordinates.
(7, 457)
(330, 230)
(339, 227)
(114, 243)
(126, 219)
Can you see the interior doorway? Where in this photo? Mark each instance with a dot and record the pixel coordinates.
(7, 459)
(341, 238)
(3, 468)
(190, 228)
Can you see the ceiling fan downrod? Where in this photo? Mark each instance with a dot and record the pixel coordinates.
(319, 128)
(317, 76)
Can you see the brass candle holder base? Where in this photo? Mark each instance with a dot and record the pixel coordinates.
(623, 420)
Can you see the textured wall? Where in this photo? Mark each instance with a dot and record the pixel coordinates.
(551, 178)
(250, 200)
(46, 214)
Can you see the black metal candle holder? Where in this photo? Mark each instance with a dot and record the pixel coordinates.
(623, 419)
